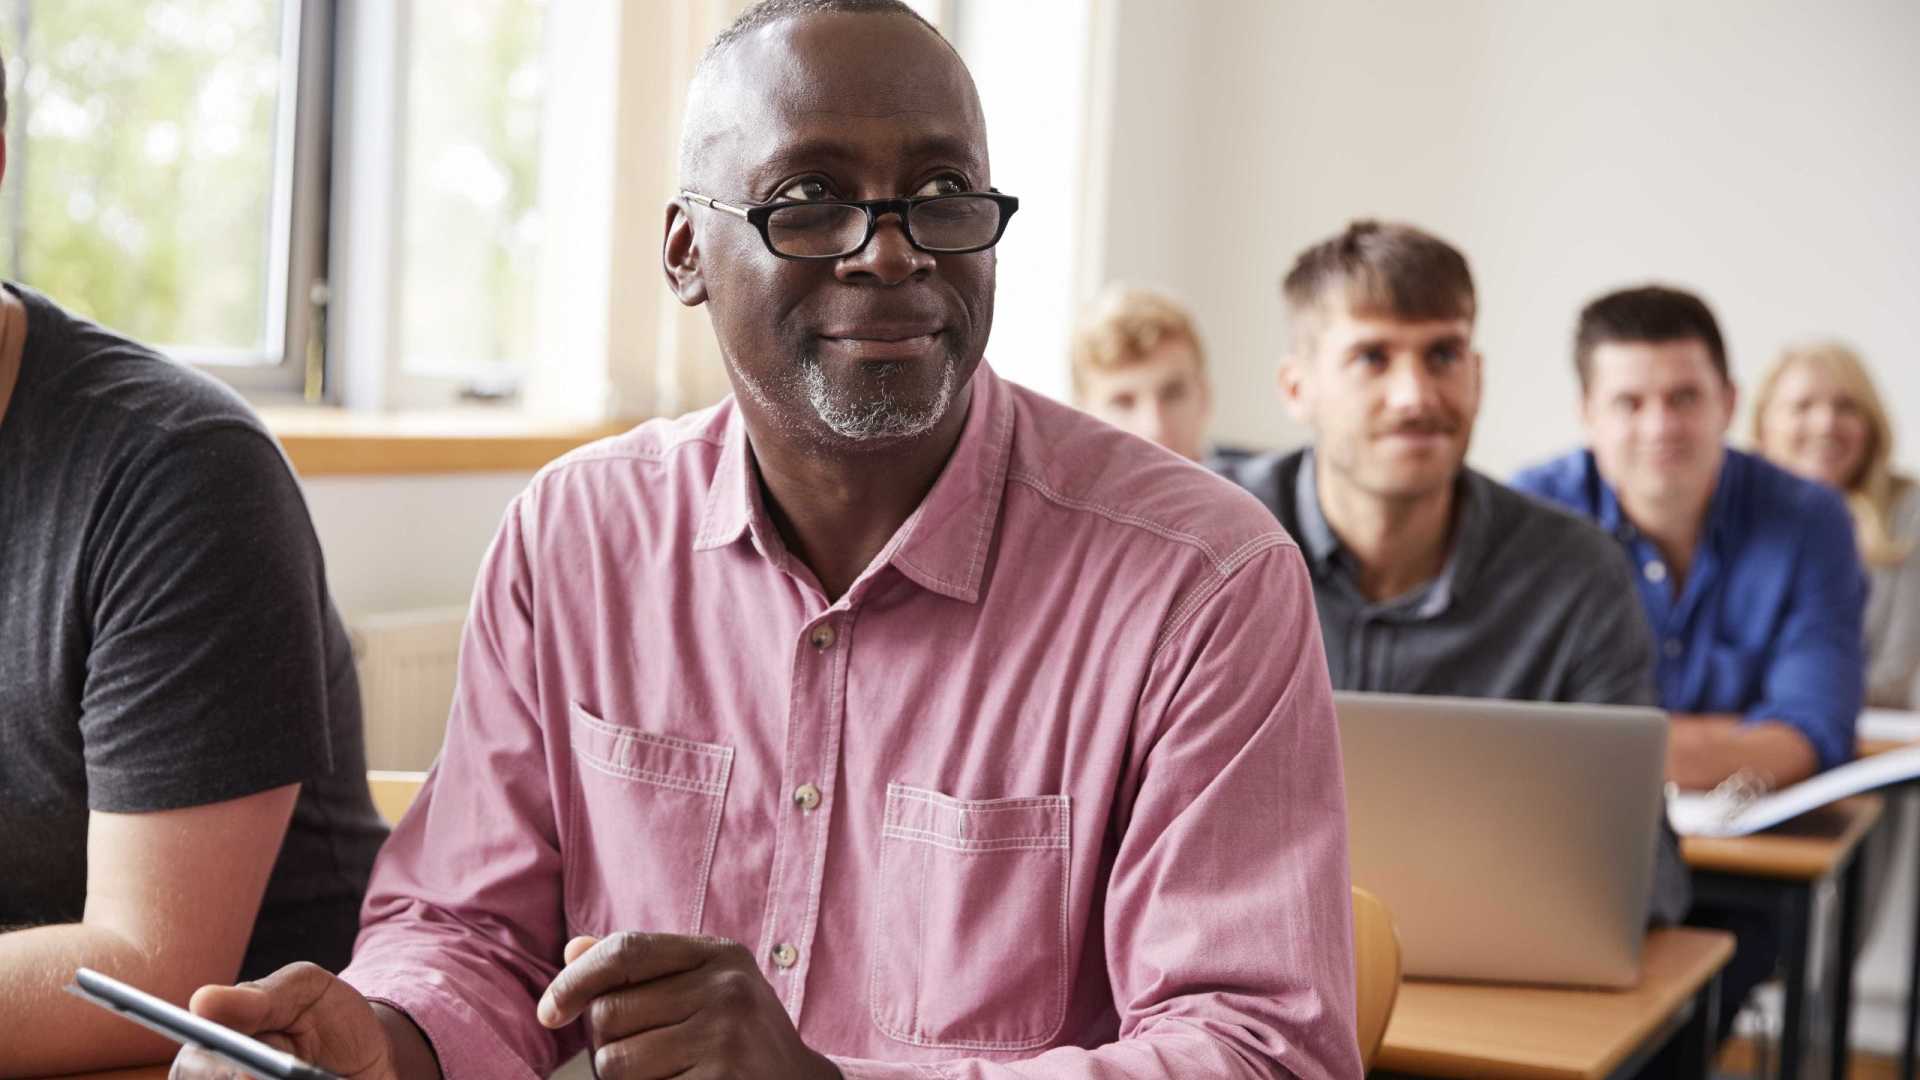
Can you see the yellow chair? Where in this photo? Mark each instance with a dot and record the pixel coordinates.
(393, 791)
(1376, 965)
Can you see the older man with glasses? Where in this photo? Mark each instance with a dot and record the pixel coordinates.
(886, 720)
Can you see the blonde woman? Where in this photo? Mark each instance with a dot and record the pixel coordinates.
(1819, 415)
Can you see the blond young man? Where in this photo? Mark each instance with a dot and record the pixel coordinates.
(1138, 364)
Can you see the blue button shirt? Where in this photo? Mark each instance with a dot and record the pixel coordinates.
(1770, 620)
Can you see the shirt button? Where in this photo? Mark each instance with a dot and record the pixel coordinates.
(822, 637)
(1673, 648)
(1656, 571)
(806, 796)
(785, 955)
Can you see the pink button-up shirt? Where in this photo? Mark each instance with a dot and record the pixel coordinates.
(1052, 791)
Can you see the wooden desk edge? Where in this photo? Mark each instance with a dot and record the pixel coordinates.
(1702, 954)
(1872, 747)
(1787, 857)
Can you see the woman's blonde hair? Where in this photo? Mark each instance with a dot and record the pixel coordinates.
(1874, 487)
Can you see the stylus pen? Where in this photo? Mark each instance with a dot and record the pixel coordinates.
(249, 1055)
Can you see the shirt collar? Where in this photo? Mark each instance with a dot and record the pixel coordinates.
(1469, 527)
(1613, 520)
(943, 544)
(1316, 536)
(1606, 506)
(1733, 465)
(733, 498)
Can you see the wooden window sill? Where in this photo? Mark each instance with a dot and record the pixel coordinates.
(334, 442)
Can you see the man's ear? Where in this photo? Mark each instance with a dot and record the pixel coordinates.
(1733, 408)
(1296, 389)
(680, 256)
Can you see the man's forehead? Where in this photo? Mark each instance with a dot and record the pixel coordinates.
(1155, 368)
(1684, 360)
(847, 82)
(1361, 324)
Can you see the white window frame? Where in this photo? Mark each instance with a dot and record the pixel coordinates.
(368, 371)
(289, 366)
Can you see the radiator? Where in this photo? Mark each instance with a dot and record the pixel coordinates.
(407, 661)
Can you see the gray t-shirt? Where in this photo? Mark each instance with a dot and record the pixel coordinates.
(1533, 604)
(166, 637)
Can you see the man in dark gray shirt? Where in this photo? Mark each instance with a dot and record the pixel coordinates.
(1429, 577)
(183, 792)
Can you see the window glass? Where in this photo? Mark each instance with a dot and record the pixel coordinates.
(145, 160)
(469, 204)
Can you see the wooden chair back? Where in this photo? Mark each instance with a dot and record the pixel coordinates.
(1376, 965)
(393, 791)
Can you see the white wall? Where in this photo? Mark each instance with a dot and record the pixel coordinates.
(1762, 152)
(394, 543)
(1029, 62)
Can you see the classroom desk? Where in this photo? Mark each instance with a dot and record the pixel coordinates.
(1508, 1032)
(1777, 871)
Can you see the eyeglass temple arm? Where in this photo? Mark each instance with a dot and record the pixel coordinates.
(714, 204)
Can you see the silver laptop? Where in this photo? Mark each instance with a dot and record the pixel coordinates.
(1512, 841)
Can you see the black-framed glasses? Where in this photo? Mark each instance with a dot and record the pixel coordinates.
(834, 229)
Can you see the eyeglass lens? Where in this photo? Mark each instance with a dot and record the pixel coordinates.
(950, 223)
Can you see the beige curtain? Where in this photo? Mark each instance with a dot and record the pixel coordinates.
(615, 342)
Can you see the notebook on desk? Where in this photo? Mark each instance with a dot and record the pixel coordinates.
(1739, 809)
(1512, 841)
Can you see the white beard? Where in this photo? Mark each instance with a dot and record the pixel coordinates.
(881, 417)
(852, 420)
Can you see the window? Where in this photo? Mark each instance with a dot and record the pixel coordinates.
(170, 163)
(376, 203)
(154, 162)
(469, 206)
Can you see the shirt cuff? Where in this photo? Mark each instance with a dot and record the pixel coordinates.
(861, 1069)
(1831, 745)
(463, 1042)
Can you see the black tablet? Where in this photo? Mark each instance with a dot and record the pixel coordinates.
(249, 1055)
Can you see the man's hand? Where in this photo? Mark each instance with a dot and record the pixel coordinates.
(300, 1009)
(1703, 750)
(663, 1005)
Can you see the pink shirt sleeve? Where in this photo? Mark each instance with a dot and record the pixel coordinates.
(1228, 914)
(462, 927)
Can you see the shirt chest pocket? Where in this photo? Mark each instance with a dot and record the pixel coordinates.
(643, 820)
(970, 921)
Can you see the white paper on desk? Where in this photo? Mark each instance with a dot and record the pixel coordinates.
(1710, 814)
(1889, 725)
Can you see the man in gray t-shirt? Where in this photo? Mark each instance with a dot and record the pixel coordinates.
(183, 790)
(1430, 578)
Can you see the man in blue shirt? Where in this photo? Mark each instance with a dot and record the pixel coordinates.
(1748, 574)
